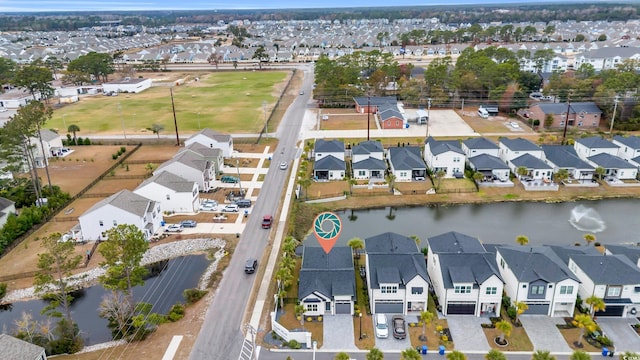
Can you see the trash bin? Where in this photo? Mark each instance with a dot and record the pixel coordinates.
(162, 223)
(424, 349)
(611, 353)
(441, 350)
(605, 351)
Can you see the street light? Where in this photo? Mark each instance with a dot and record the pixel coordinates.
(360, 316)
(266, 124)
(315, 346)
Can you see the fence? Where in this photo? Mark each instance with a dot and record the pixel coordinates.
(276, 107)
(302, 337)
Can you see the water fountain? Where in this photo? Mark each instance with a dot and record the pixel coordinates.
(586, 219)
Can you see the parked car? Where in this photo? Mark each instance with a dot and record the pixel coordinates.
(267, 220)
(382, 330)
(230, 208)
(514, 125)
(399, 327)
(250, 266)
(229, 179)
(243, 203)
(173, 228)
(188, 223)
(209, 205)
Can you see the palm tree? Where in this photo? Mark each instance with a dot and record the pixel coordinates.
(522, 240)
(426, 318)
(561, 175)
(391, 216)
(595, 304)
(581, 355)
(522, 171)
(299, 310)
(282, 293)
(439, 175)
(342, 356)
(589, 238)
(494, 354)
(505, 330)
(583, 321)
(542, 355)
(156, 128)
(305, 183)
(352, 182)
(478, 177)
(73, 128)
(521, 307)
(410, 354)
(375, 354)
(356, 244)
(456, 355)
(600, 171)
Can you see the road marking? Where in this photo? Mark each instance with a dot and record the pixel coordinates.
(172, 348)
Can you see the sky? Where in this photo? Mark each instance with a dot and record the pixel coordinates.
(101, 5)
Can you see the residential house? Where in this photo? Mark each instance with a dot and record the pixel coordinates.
(7, 207)
(367, 161)
(510, 149)
(463, 275)
(323, 148)
(192, 167)
(13, 99)
(366, 150)
(391, 117)
(614, 166)
(214, 155)
(406, 163)
(51, 146)
(536, 168)
(594, 145)
(212, 139)
(584, 115)
(174, 193)
(628, 147)
(539, 278)
(329, 161)
(396, 275)
(12, 348)
(480, 145)
(632, 252)
(606, 58)
(126, 85)
(123, 207)
(492, 167)
(327, 281)
(374, 104)
(613, 278)
(444, 155)
(565, 157)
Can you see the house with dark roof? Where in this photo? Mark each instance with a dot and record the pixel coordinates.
(213, 155)
(632, 252)
(536, 168)
(373, 104)
(479, 145)
(565, 157)
(444, 155)
(123, 207)
(212, 139)
(510, 149)
(329, 168)
(614, 166)
(367, 149)
(582, 115)
(463, 275)
(323, 148)
(390, 117)
(406, 163)
(613, 278)
(191, 166)
(492, 168)
(594, 145)
(327, 281)
(396, 275)
(367, 161)
(629, 148)
(539, 278)
(175, 194)
(12, 348)
(7, 207)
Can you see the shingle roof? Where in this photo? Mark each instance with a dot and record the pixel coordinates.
(406, 158)
(466, 268)
(487, 162)
(48, 135)
(564, 156)
(369, 164)
(441, 146)
(170, 181)
(390, 243)
(480, 143)
(530, 263)
(630, 141)
(219, 137)
(396, 268)
(455, 242)
(564, 252)
(609, 161)
(576, 107)
(530, 162)
(127, 201)
(5, 203)
(329, 274)
(519, 144)
(608, 269)
(331, 146)
(189, 159)
(375, 100)
(632, 252)
(329, 163)
(597, 142)
(202, 150)
(367, 147)
(15, 349)
(390, 111)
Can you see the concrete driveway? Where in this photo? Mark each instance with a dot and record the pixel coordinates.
(338, 333)
(619, 330)
(544, 333)
(390, 343)
(467, 334)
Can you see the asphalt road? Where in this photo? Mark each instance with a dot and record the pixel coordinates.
(308, 355)
(221, 334)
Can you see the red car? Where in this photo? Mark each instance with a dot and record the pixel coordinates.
(267, 220)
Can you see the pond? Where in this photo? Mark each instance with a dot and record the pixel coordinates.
(163, 288)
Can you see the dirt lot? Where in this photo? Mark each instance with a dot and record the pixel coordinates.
(345, 119)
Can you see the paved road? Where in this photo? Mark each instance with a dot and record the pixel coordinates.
(308, 355)
(221, 334)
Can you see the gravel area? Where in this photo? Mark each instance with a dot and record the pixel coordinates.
(154, 254)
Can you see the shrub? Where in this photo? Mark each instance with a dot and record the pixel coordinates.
(506, 301)
(512, 312)
(605, 341)
(122, 150)
(192, 296)
(176, 313)
(293, 344)
(3, 290)
(114, 156)
(79, 141)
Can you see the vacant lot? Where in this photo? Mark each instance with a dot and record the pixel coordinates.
(227, 101)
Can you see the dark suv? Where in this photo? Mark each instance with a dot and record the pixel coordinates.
(250, 266)
(243, 203)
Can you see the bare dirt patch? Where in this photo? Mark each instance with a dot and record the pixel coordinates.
(111, 185)
(350, 121)
(153, 153)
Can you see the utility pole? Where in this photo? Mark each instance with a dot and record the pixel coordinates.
(266, 125)
(175, 120)
(566, 120)
(428, 115)
(124, 133)
(368, 115)
(613, 118)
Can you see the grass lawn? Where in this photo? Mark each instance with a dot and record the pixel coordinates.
(368, 340)
(326, 189)
(518, 341)
(462, 184)
(230, 102)
(571, 335)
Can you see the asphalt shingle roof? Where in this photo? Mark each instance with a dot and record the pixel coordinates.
(328, 146)
(15, 349)
(466, 268)
(519, 144)
(530, 263)
(170, 181)
(390, 243)
(442, 146)
(127, 201)
(5, 203)
(608, 269)
(609, 161)
(530, 162)
(48, 135)
(329, 163)
(576, 108)
(367, 147)
(455, 242)
(329, 274)
(632, 252)
(375, 100)
(480, 143)
(487, 162)
(631, 141)
(565, 156)
(189, 159)
(406, 158)
(369, 164)
(219, 137)
(396, 268)
(597, 142)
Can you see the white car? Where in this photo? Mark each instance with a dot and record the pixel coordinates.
(231, 208)
(514, 125)
(173, 228)
(283, 165)
(382, 329)
(208, 205)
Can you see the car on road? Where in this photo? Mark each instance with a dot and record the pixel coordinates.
(301, 92)
(267, 221)
(188, 223)
(399, 327)
(284, 165)
(382, 329)
(250, 266)
(173, 228)
(230, 208)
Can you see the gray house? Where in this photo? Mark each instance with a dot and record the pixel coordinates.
(480, 145)
(491, 167)
(15, 349)
(632, 252)
(406, 163)
(565, 157)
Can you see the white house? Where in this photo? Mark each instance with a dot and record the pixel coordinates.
(214, 155)
(539, 278)
(464, 275)
(123, 207)
(13, 99)
(594, 145)
(324, 148)
(191, 167)
(444, 155)
(406, 163)
(613, 278)
(7, 207)
(614, 166)
(126, 85)
(212, 139)
(565, 157)
(174, 193)
(329, 163)
(12, 348)
(492, 167)
(51, 146)
(366, 150)
(629, 146)
(510, 149)
(368, 161)
(327, 281)
(396, 275)
(537, 169)
(478, 146)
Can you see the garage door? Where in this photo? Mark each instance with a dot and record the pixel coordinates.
(611, 310)
(343, 308)
(537, 309)
(388, 307)
(461, 308)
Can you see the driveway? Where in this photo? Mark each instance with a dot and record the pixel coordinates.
(619, 330)
(544, 333)
(467, 334)
(390, 343)
(338, 333)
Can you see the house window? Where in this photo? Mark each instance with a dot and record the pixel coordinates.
(614, 291)
(562, 123)
(636, 289)
(311, 307)
(466, 289)
(361, 173)
(389, 289)
(417, 290)
(168, 197)
(327, 306)
(566, 290)
(101, 223)
(502, 263)
(491, 290)
(537, 290)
